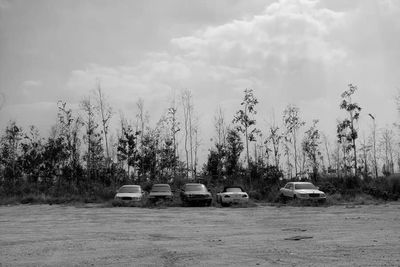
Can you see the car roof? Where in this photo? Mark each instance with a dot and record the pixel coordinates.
(130, 185)
(232, 186)
(193, 184)
(161, 185)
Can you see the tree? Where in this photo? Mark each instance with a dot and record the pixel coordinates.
(327, 151)
(95, 154)
(127, 146)
(174, 129)
(31, 156)
(386, 143)
(365, 149)
(220, 141)
(234, 147)
(147, 158)
(346, 129)
(373, 140)
(188, 110)
(106, 113)
(68, 128)
(9, 153)
(310, 147)
(274, 138)
(292, 122)
(246, 121)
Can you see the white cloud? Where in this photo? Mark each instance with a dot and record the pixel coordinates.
(32, 83)
(292, 51)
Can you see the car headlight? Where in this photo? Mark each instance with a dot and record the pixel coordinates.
(303, 195)
(245, 196)
(323, 195)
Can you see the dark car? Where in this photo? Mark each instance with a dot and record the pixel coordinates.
(160, 192)
(194, 193)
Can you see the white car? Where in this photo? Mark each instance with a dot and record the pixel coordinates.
(128, 194)
(302, 191)
(232, 195)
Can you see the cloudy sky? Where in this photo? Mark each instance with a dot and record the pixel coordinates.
(302, 52)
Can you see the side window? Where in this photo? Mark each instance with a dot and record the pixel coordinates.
(288, 186)
(291, 186)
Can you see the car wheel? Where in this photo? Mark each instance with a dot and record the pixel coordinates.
(224, 204)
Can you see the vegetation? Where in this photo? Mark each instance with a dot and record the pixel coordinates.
(81, 161)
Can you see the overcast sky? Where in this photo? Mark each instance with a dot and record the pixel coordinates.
(300, 52)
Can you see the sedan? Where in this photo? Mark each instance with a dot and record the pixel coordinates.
(232, 195)
(193, 193)
(160, 192)
(128, 194)
(302, 191)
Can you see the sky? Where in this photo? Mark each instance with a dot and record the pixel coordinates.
(300, 52)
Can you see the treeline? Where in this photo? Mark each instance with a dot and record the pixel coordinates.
(82, 156)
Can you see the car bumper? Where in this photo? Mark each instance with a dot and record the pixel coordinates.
(319, 198)
(234, 200)
(160, 197)
(197, 199)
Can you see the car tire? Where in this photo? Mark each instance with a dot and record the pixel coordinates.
(224, 204)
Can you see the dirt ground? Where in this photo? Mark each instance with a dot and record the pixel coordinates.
(44, 235)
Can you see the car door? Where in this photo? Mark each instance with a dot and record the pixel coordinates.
(291, 190)
(285, 190)
(288, 190)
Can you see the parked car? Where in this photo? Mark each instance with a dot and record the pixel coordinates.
(232, 195)
(160, 192)
(194, 193)
(128, 194)
(302, 191)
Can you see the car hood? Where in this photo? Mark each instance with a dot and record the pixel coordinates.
(160, 194)
(197, 193)
(309, 191)
(128, 195)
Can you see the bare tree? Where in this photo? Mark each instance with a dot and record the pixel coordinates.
(106, 114)
(327, 150)
(174, 128)
(292, 122)
(95, 152)
(386, 143)
(365, 149)
(275, 138)
(373, 140)
(187, 104)
(220, 127)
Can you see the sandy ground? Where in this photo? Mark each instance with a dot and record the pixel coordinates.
(43, 235)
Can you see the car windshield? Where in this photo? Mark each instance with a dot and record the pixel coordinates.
(233, 189)
(194, 187)
(129, 189)
(161, 188)
(304, 186)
